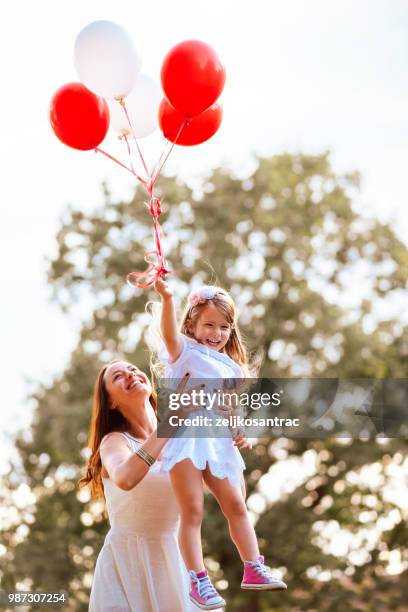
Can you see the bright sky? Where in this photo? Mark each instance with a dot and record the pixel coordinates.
(306, 76)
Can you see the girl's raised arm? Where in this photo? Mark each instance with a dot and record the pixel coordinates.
(168, 322)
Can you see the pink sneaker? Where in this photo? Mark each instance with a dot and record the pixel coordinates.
(202, 592)
(257, 576)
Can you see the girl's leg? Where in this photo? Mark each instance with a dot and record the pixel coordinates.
(187, 483)
(243, 487)
(232, 504)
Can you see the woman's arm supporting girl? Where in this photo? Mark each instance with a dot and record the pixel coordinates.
(125, 468)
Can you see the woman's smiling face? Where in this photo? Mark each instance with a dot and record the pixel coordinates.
(125, 381)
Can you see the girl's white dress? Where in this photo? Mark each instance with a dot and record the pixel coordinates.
(204, 365)
(139, 568)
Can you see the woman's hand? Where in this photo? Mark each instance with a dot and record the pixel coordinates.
(182, 411)
(238, 433)
(163, 289)
(240, 440)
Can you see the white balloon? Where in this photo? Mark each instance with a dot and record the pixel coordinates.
(142, 106)
(106, 59)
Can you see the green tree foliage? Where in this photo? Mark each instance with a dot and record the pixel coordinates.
(308, 272)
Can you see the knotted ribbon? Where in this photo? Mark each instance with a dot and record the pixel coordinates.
(154, 258)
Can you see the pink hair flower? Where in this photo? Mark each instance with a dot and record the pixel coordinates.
(201, 295)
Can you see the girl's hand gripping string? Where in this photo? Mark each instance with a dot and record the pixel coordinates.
(241, 441)
(163, 289)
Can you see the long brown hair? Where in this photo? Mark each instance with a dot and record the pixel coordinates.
(103, 421)
(224, 303)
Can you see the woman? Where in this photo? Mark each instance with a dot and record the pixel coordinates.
(139, 568)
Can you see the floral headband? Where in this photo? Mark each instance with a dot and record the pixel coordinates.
(201, 295)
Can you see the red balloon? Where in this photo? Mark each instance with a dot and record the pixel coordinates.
(79, 118)
(198, 129)
(192, 77)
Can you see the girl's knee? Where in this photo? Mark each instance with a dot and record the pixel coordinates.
(235, 508)
(192, 513)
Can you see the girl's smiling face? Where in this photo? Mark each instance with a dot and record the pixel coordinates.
(212, 328)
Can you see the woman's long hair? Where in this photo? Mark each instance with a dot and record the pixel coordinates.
(103, 421)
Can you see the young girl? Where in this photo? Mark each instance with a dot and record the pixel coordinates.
(209, 347)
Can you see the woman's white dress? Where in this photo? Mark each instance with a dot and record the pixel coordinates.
(211, 368)
(139, 568)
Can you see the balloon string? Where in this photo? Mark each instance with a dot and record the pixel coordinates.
(160, 168)
(125, 138)
(98, 150)
(122, 103)
(155, 259)
(167, 142)
(158, 266)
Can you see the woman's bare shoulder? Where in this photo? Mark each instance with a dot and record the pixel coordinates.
(113, 441)
(110, 444)
(114, 437)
